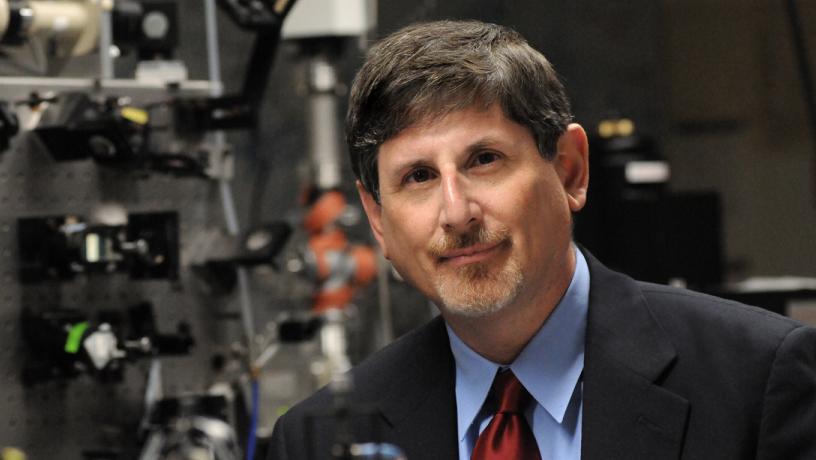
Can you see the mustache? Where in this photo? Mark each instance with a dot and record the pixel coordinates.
(478, 235)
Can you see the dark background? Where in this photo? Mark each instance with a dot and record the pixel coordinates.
(715, 83)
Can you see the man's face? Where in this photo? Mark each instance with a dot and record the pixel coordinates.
(472, 214)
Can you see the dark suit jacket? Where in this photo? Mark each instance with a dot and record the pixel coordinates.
(668, 374)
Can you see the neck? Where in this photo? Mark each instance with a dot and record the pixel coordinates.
(501, 336)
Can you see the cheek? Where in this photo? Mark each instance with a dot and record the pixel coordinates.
(405, 231)
(539, 214)
(407, 239)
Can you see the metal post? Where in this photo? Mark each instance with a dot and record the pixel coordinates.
(227, 199)
(105, 41)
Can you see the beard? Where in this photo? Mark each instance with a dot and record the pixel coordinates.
(481, 288)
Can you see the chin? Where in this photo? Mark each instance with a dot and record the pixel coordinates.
(474, 310)
(476, 292)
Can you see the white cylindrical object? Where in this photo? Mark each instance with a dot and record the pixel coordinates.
(76, 23)
(324, 141)
(57, 17)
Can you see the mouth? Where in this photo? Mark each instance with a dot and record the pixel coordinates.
(471, 254)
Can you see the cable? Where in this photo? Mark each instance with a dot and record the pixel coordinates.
(253, 421)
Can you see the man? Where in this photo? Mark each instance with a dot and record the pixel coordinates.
(469, 170)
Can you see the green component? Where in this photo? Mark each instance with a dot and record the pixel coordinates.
(280, 410)
(75, 337)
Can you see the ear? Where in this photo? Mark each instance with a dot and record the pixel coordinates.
(373, 211)
(572, 164)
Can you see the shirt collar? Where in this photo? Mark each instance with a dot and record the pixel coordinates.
(549, 366)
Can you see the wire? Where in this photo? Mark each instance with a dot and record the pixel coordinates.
(253, 421)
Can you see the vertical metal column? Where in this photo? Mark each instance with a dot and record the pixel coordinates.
(324, 136)
(105, 40)
(227, 199)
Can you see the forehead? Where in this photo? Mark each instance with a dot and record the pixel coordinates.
(454, 132)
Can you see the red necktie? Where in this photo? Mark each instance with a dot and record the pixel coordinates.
(507, 436)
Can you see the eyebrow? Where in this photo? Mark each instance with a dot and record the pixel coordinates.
(481, 144)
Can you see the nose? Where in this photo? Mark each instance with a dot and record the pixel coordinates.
(459, 210)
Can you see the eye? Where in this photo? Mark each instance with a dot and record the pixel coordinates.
(485, 158)
(418, 175)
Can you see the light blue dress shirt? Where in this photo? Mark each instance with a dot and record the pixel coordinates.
(549, 367)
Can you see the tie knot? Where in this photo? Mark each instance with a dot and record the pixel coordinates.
(510, 394)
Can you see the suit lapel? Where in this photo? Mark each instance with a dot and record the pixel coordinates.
(626, 414)
(420, 405)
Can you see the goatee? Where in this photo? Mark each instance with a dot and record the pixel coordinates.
(481, 288)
